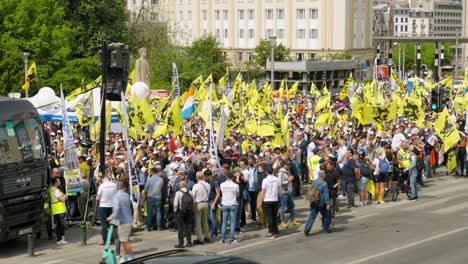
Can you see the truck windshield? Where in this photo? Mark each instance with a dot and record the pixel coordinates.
(21, 141)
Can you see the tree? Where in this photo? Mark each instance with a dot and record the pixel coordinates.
(38, 27)
(96, 22)
(263, 52)
(207, 57)
(427, 54)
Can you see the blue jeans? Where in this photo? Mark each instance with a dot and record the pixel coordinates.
(150, 203)
(60, 226)
(240, 205)
(313, 214)
(413, 183)
(286, 201)
(231, 211)
(212, 217)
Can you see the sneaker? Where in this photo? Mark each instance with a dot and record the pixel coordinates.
(342, 197)
(234, 242)
(306, 232)
(284, 225)
(222, 241)
(295, 223)
(179, 246)
(268, 235)
(382, 202)
(197, 242)
(207, 240)
(62, 242)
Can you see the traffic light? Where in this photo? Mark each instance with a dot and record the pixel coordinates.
(114, 60)
(444, 97)
(435, 100)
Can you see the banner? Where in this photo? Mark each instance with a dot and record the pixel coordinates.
(213, 150)
(132, 172)
(446, 129)
(72, 166)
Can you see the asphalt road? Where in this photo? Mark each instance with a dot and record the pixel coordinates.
(431, 230)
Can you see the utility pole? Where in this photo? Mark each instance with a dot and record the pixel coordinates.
(272, 61)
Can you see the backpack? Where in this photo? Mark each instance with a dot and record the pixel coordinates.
(366, 170)
(313, 195)
(383, 165)
(186, 202)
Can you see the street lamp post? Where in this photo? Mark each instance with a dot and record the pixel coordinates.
(272, 60)
(26, 66)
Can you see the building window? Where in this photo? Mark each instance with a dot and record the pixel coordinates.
(300, 13)
(239, 56)
(241, 14)
(205, 33)
(300, 33)
(134, 2)
(299, 56)
(154, 2)
(181, 16)
(204, 14)
(217, 14)
(396, 28)
(251, 33)
(225, 14)
(406, 28)
(250, 56)
(225, 33)
(401, 28)
(280, 14)
(241, 33)
(269, 33)
(154, 16)
(280, 33)
(269, 13)
(313, 33)
(251, 14)
(313, 13)
(189, 15)
(396, 19)
(217, 33)
(406, 19)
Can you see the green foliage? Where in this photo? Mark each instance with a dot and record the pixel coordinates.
(427, 54)
(263, 52)
(73, 73)
(339, 56)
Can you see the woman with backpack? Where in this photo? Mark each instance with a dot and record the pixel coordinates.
(367, 170)
(381, 168)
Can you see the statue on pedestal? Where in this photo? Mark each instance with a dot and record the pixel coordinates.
(142, 68)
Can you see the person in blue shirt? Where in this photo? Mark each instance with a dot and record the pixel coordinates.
(323, 206)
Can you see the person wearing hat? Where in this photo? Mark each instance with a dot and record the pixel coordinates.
(122, 217)
(105, 196)
(153, 193)
(286, 199)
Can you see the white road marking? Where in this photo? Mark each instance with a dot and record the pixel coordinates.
(429, 239)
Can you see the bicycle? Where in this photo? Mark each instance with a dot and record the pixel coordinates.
(400, 183)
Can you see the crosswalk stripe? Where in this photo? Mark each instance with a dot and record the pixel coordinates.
(452, 209)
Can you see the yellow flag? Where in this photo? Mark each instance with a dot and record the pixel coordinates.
(322, 102)
(174, 119)
(31, 77)
(266, 126)
(446, 129)
(85, 110)
(97, 126)
(222, 82)
(345, 91)
(248, 122)
(325, 91)
(452, 161)
(325, 118)
(236, 89)
(399, 84)
(294, 89)
(131, 81)
(84, 89)
(314, 90)
(282, 89)
(285, 131)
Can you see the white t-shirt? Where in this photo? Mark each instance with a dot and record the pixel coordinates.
(106, 191)
(310, 149)
(229, 191)
(271, 184)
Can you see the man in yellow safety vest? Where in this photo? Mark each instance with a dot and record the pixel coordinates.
(58, 209)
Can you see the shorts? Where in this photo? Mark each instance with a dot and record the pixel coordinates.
(381, 177)
(362, 183)
(123, 232)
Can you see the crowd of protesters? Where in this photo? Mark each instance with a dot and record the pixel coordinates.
(251, 181)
